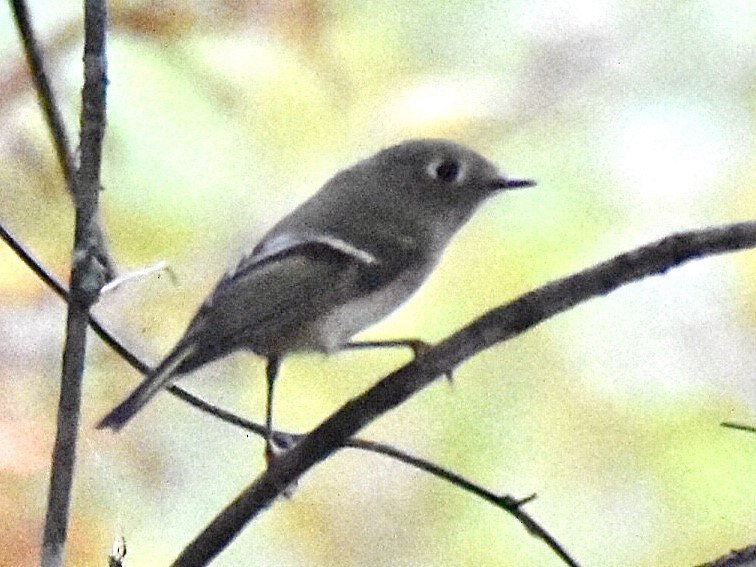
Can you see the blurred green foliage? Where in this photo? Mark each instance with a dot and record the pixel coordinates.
(636, 117)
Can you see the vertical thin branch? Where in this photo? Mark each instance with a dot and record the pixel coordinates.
(88, 274)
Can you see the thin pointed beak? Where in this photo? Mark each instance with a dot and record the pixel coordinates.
(517, 183)
(504, 183)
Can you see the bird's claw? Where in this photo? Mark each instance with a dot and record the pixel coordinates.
(272, 452)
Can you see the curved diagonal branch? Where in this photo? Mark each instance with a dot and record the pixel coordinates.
(496, 326)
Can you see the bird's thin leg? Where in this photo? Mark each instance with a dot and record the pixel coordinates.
(271, 372)
(418, 346)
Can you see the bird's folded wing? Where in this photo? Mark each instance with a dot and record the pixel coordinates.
(285, 284)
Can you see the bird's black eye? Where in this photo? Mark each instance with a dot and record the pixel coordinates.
(446, 171)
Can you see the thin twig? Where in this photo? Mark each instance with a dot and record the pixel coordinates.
(496, 326)
(739, 426)
(508, 503)
(57, 286)
(45, 93)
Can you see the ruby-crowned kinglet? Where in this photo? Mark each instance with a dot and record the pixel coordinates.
(343, 260)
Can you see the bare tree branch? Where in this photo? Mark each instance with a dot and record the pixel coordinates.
(89, 272)
(496, 326)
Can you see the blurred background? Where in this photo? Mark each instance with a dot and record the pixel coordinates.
(637, 119)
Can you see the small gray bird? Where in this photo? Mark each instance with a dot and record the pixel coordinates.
(343, 260)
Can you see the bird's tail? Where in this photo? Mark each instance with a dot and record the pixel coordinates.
(150, 386)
